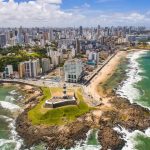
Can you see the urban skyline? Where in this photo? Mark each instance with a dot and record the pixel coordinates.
(74, 74)
(66, 13)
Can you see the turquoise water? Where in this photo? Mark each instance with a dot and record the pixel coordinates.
(8, 105)
(91, 142)
(4, 129)
(10, 95)
(144, 84)
(4, 91)
(143, 141)
(136, 88)
(92, 138)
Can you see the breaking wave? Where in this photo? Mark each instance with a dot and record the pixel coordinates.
(127, 88)
(129, 137)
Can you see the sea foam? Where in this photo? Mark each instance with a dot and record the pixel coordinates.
(127, 88)
(129, 137)
(9, 106)
(83, 145)
(14, 137)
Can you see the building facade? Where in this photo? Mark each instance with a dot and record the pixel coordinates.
(73, 70)
(8, 71)
(29, 69)
(46, 66)
(2, 40)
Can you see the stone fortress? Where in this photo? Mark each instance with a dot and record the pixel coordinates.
(59, 101)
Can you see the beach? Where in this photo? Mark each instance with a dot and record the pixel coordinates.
(104, 75)
(109, 121)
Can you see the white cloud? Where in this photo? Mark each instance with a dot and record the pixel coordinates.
(49, 13)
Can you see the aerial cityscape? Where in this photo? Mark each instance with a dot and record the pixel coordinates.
(74, 75)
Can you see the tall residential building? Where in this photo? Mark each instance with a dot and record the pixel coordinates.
(56, 56)
(21, 70)
(77, 46)
(2, 40)
(46, 66)
(8, 70)
(80, 30)
(73, 70)
(29, 69)
(93, 57)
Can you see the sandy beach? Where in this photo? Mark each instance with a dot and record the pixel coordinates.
(104, 118)
(104, 75)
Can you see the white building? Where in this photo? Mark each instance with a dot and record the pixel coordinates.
(56, 56)
(73, 52)
(8, 70)
(30, 68)
(73, 70)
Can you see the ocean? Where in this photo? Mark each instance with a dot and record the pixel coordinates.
(136, 88)
(9, 106)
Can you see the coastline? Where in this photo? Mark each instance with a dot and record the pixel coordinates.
(111, 102)
(134, 76)
(105, 118)
(105, 74)
(12, 102)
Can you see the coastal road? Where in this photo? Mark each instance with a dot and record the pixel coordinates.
(99, 68)
(32, 82)
(103, 74)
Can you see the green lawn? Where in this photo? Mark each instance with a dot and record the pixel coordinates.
(58, 116)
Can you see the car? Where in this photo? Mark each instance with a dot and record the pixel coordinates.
(34, 79)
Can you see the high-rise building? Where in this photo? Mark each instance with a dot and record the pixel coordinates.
(80, 30)
(2, 40)
(9, 70)
(77, 46)
(29, 69)
(73, 70)
(93, 57)
(21, 70)
(55, 55)
(45, 65)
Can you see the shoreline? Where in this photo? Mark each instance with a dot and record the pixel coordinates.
(133, 77)
(10, 110)
(105, 118)
(107, 72)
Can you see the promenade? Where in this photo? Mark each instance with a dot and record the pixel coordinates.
(98, 69)
(103, 74)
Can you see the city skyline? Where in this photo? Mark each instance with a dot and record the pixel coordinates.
(69, 13)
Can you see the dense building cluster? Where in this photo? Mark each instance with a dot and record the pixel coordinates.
(67, 37)
(78, 50)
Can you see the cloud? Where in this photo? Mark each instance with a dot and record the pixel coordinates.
(48, 13)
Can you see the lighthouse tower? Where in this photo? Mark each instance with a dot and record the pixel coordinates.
(65, 91)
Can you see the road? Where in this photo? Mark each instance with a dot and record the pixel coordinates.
(99, 68)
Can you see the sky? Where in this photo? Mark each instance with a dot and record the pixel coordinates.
(74, 13)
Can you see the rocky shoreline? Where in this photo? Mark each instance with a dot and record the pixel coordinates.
(54, 136)
(117, 112)
(129, 116)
